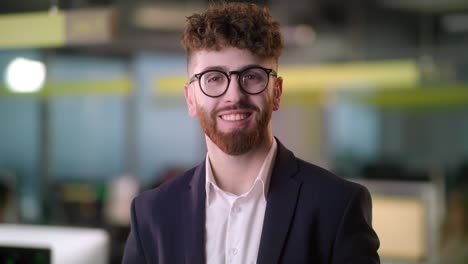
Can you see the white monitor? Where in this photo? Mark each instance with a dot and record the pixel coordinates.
(53, 245)
(405, 218)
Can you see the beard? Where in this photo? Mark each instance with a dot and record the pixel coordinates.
(238, 141)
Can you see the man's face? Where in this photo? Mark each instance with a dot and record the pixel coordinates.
(236, 121)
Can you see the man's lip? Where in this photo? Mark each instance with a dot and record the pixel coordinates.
(238, 108)
(235, 116)
(235, 112)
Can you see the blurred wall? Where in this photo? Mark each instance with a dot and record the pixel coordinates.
(166, 136)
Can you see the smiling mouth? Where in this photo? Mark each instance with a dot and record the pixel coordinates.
(235, 117)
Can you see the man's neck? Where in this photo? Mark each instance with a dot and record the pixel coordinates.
(236, 174)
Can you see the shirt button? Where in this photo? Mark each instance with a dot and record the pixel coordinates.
(234, 251)
(236, 209)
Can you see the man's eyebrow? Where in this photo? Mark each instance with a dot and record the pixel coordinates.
(225, 68)
(249, 66)
(218, 68)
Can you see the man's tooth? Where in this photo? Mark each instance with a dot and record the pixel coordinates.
(234, 117)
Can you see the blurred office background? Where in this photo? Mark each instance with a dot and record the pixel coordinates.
(92, 110)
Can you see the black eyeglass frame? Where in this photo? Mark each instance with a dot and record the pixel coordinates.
(269, 72)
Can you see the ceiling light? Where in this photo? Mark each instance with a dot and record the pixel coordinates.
(25, 75)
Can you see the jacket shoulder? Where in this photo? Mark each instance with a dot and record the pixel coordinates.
(324, 180)
(166, 192)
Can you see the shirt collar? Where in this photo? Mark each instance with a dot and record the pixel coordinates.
(263, 177)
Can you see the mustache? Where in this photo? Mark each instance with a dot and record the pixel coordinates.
(239, 106)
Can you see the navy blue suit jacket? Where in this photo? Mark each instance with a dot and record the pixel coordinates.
(312, 216)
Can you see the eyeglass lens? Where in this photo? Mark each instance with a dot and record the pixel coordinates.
(252, 81)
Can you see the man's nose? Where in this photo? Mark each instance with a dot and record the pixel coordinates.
(234, 92)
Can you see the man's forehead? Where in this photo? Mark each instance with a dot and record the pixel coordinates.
(229, 58)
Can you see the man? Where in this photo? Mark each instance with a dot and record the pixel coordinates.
(251, 200)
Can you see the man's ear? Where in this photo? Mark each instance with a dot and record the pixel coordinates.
(190, 100)
(277, 92)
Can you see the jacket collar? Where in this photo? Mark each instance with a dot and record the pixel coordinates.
(194, 216)
(281, 205)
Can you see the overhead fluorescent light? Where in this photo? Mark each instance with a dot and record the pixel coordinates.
(426, 5)
(90, 26)
(57, 28)
(38, 29)
(162, 17)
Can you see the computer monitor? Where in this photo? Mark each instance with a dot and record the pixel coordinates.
(34, 244)
(405, 217)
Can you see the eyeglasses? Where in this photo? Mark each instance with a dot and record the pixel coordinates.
(252, 80)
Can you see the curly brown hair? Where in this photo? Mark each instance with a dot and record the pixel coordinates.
(240, 25)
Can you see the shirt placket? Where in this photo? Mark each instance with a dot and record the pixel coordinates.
(233, 241)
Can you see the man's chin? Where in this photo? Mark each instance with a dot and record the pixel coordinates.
(234, 149)
(236, 143)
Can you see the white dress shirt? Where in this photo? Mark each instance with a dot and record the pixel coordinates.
(234, 223)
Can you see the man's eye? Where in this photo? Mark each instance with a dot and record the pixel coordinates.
(215, 79)
(250, 77)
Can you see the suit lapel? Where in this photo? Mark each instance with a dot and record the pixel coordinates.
(194, 217)
(281, 204)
